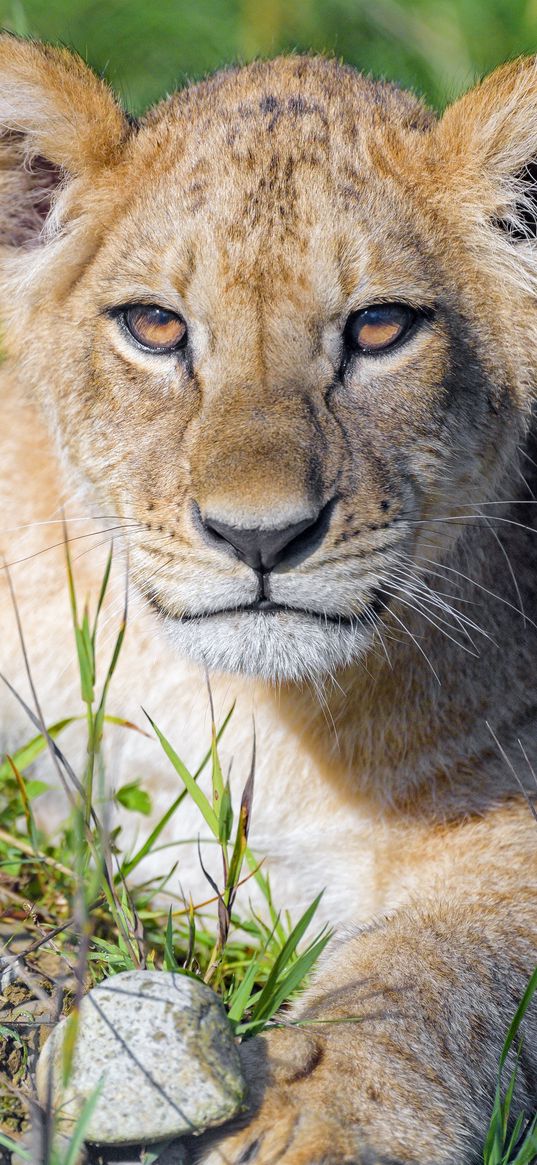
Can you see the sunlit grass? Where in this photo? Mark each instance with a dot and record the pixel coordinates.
(76, 894)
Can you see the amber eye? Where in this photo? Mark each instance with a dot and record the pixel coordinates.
(374, 329)
(155, 328)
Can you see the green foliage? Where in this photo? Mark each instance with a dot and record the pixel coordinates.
(512, 1141)
(132, 796)
(254, 994)
(435, 46)
(255, 964)
(66, 1154)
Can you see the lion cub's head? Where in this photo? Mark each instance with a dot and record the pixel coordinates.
(280, 327)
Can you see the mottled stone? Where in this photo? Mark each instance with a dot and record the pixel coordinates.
(161, 1049)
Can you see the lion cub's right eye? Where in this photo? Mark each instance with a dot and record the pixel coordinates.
(155, 328)
(379, 327)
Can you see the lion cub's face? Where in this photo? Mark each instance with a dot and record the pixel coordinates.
(278, 360)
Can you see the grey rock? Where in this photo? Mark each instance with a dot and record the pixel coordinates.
(161, 1050)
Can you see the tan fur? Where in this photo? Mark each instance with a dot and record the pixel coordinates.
(264, 206)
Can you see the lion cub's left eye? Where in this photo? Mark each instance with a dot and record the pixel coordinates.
(374, 329)
(155, 328)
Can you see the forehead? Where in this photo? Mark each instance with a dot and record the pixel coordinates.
(290, 165)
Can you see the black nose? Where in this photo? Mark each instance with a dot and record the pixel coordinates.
(263, 549)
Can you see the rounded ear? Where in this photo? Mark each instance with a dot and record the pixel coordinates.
(487, 146)
(57, 120)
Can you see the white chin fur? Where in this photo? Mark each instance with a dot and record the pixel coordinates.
(274, 646)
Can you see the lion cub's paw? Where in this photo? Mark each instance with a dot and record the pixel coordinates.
(281, 1132)
(294, 1113)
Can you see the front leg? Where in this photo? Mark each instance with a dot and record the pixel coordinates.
(427, 996)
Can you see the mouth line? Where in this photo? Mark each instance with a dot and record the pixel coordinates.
(266, 608)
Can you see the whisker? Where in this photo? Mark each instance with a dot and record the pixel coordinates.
(398, 593)
(472, 517)
(441, 594)
(96, 546)
(69, 520)
(107, 632)
(511, 767)
(511, 571)
(431, 596)
(313, 681)
(377, 631)
(417, 644)
(528, 487)
(528, 762)
(64, 541)
(505, 501)
(435, 620)
(525, 454)
(493, 594)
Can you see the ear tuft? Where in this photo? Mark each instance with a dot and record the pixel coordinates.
(28, 188)
(58, 122)
(520, 219)
(486, 157)
(64, 111)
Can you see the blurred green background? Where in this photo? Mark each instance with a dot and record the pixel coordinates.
(149, 47)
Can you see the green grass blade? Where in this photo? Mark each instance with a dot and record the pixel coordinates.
(102, 594)
(286, 954)
(217, 776)
(122, 723)
(263, 881)
(527, 1154)
(270, 1002)
(27, 808)
(68, 1044)
(116, 653)
(14, 1147)
(494, 1151)
(197, 795)
(78, 1135)
(518, 1017)
(219, 735)
(225, 816)
(27, 753)
(493, 1147)
(191, 937)
(100, 714)
(148, 845)
(170, 962)
(243, 829)
(508, 1099)
(70, 578)
(241, 997)
(515, 1135)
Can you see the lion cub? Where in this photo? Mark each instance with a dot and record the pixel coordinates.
(280, 337)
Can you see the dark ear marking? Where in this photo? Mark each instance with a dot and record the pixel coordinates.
(28, 192)
(521, 222)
